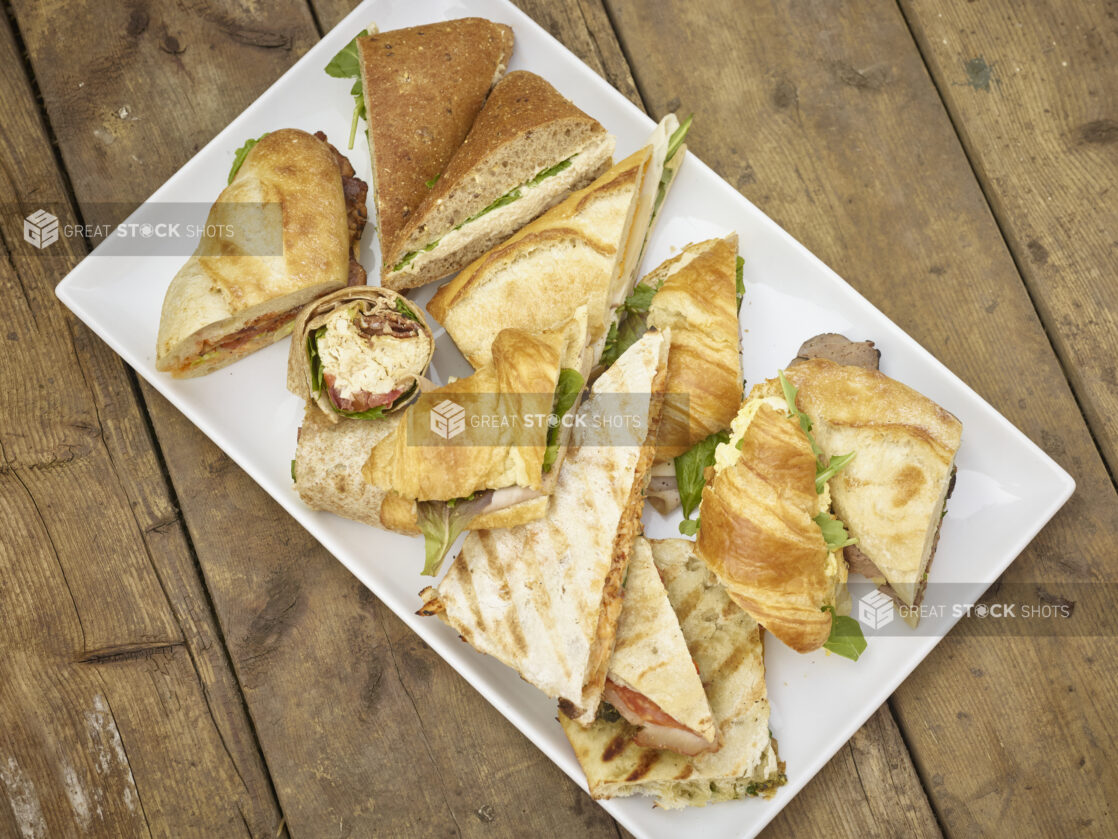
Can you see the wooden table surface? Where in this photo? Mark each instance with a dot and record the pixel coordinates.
(179, 658)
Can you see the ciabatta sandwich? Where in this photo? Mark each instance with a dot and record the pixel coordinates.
(527, 150)
(545, 597)
(290, 221)
(725, 643)
(424, 87)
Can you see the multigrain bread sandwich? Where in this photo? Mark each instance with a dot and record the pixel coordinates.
(652, 681)
(584, 251)
(424, 87)
(527, 150)
(498, 470)
(295, 213)
(892, 495)
(545, 597)
(725, 644)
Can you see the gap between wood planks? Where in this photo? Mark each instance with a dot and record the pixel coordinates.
(134, 384)
(1060, 360)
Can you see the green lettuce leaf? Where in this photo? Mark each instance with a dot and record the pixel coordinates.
(677, 138)
(347, 65)
(689, 527)
(315, 360)
(834, 532)
(567, 390)
(405, 310)
(241, 153)
(554, 170)
(441, 522)
(846, 638)
(823, 471)
(630, 323)
(689, 469)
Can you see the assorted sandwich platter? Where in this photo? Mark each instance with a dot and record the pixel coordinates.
(1006, 489)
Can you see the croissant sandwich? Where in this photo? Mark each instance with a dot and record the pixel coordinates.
(892, 495)
(481, 451)
(765, 527)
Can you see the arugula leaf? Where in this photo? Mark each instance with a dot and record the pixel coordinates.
(629, 324)
(689, 527)
(404, 310)
(846, 638)
(833, 467)
(241, 153)
(347, 65)
(441, 522)
(293, 479)
(823, 472)
(431, 183)
(554, 170)
(689, 469)
(834, 532)
(739, 279)
(567, 390)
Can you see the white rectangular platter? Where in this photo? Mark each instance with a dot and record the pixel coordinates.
(1006, 490)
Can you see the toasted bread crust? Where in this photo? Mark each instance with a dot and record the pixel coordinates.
(424, 87)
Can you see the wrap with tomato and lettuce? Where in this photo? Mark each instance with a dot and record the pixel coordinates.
(359, 353)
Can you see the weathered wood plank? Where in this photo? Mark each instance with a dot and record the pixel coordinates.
(1033, 89)
(840, 136)
(120, 713)
(342, 735)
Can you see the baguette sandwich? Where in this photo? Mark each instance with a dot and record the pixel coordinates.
(584, 251)
(527, 150)
(725, 644)
(423, 88)
(545, 597)
(295, 212)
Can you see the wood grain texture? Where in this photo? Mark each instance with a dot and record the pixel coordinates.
(361, 729)
(1033, 90)
(841, 137)
(119, 713)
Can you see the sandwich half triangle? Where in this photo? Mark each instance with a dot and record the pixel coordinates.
(651, 665)
(424, 87)
(545, 597)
